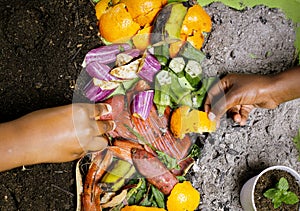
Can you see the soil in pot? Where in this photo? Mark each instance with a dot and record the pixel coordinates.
(267, 181)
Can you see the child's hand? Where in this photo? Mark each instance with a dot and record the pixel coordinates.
(58, 134)
(240, 93)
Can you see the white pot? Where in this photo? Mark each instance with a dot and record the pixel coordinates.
(247, 192)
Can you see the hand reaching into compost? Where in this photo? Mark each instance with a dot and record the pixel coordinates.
(240, 93)
(58, 134)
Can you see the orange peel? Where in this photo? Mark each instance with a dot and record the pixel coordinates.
(140, 9)
(183, 197)
(186, 120)
(195, 22)
(117, 25)
(101, 7)
(142, 39)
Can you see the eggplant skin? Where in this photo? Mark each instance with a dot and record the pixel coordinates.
(159, 24)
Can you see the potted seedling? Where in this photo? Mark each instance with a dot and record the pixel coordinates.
(275, 188)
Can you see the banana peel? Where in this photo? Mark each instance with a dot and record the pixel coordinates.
(115, 178)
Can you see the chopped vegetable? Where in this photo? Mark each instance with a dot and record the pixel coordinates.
(128, 71)
(114, 179)
(148, 67)
(95, 93)
(186, 120)
(177, 64)
(142, 104)
(162, 89)
(198, 95)
(189, 52)
(164, 78)
(170, 163)
(100, 71)
(106, 85)
(193, 72)
(127, 56)
(162, 59)
(178, 92)
(158, 196)
(105, 54)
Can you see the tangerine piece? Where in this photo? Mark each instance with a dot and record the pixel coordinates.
(147, 18)
(183, 197)
(186, 120)
(196, 19)
(101, 7)
(117, 25)
(196, 40)
(140, 8)
(142, 39)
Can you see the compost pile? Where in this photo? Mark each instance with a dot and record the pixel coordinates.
(257, 40)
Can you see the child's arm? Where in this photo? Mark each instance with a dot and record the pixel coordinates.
(58, 134)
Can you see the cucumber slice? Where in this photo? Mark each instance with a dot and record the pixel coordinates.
(193, 73)
(177, 65)
(162, 89)
(164, 78)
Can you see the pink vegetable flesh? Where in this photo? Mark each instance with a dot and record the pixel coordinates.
(149, 67)
(142, 103)
(95, 93)
(100, 71)
(105, 54)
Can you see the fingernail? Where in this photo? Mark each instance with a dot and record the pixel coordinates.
(107, 109)
(211, 116)
(112, 125)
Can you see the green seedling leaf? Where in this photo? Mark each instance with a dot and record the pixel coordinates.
(283, 184)
(291, 198)
(270, 194)
(280, 194)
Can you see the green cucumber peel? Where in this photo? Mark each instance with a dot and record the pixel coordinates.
(174, 23)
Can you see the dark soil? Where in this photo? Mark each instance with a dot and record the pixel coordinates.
(268, 180)
(43, 44)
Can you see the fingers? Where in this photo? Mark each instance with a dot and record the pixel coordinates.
(240, 113)
(100, 109)
(105, 126)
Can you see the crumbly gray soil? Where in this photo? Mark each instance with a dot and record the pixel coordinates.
(257, 40)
